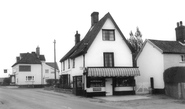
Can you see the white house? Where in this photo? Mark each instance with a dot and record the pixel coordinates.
(101, 64)
(155, 57)
(32, 70)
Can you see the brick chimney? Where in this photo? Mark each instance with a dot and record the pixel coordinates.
(38, 51)
(18, 59)
(77, 38)
(180, 32)
(94, 18)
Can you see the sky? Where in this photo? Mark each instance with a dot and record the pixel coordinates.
(26, 24)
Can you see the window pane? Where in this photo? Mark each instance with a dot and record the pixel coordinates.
(108, 60)
(24, 68)
(108, 35)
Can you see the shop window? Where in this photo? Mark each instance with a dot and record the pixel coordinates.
(125, 81)
(97, 82)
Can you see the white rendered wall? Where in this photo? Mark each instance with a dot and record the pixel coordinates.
(122, 53)
(150, 63)
(172, 60)
(21, 76)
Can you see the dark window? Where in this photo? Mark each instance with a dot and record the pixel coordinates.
(74, 63)
(63, 65)
(108, 59)
(108, 35)
(97, 82)
(125, 81)
(68, 63)
(183, 58)
(29, 78)
(25, 68)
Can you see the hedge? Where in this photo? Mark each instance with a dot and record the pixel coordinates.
(174, 75)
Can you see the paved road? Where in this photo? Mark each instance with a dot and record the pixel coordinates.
(16, 98)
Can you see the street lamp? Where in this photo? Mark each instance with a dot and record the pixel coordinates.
(55, 60)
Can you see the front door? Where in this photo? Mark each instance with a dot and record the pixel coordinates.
(108, 86)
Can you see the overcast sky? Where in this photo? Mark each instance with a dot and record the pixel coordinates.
(26, 24)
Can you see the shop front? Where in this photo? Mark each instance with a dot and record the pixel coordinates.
(110, 81)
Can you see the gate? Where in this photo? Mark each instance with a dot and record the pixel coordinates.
(143, 88)
(77, 85)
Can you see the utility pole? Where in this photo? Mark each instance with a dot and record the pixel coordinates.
(55, 60)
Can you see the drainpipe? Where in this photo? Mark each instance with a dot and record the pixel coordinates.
(41, 74)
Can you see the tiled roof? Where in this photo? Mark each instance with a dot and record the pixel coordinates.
(30, 58)
(52, 64)
(170, 47)
(82, 47)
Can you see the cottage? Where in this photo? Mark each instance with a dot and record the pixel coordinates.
(155, 57)
(31, 69)
(101, 64)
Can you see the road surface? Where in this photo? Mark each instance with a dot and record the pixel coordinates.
(20, 98)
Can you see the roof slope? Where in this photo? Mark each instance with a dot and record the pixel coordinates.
(82, 47)
(171, 47)
(30, 58)
(52, 64)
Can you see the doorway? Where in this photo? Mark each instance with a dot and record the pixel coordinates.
(108, 86)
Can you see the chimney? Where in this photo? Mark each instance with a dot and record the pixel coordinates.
(38, 51)
(94, 18)
(18, 59)
(77, 37)
(180, 32)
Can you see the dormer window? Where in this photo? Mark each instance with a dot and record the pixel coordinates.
(108, 35)
(183, 58)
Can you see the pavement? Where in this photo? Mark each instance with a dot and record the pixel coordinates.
(123, 97)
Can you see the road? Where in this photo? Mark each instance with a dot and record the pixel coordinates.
(20, 98)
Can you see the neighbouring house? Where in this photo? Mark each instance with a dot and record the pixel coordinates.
(31, 69)
(155, 57)
(101, 64)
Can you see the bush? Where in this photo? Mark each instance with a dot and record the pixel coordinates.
(174, 75)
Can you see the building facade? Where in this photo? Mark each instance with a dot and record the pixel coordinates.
(101, 64)
(155, 57)
(31, 69)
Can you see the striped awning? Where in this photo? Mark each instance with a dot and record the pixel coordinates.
(112, 72)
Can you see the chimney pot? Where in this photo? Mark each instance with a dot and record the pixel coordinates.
(180, 23)
(38, 51)
(77, 38)
(94, 18)
(177, 24)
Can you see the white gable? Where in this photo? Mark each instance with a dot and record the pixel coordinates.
(122, 53)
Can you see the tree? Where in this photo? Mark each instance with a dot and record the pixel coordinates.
(136, 40)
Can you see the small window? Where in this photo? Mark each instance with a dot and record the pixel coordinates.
(125, 81)
(63, 65)
(29, 78)
(46, 70)
(108, 59)
(74, 63)
(68, 63)
(97, 82)
(26, 68)
(108, 35)
(183, 58)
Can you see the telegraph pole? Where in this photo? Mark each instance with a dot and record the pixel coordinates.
(55, 60)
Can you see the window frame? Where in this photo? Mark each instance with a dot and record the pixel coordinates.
(29, 79)
(69, 64)
(125, 81)
(182, 58)
(21, 69)
(73, 62)
(64, 66)
(108, 38)
(112, 58)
